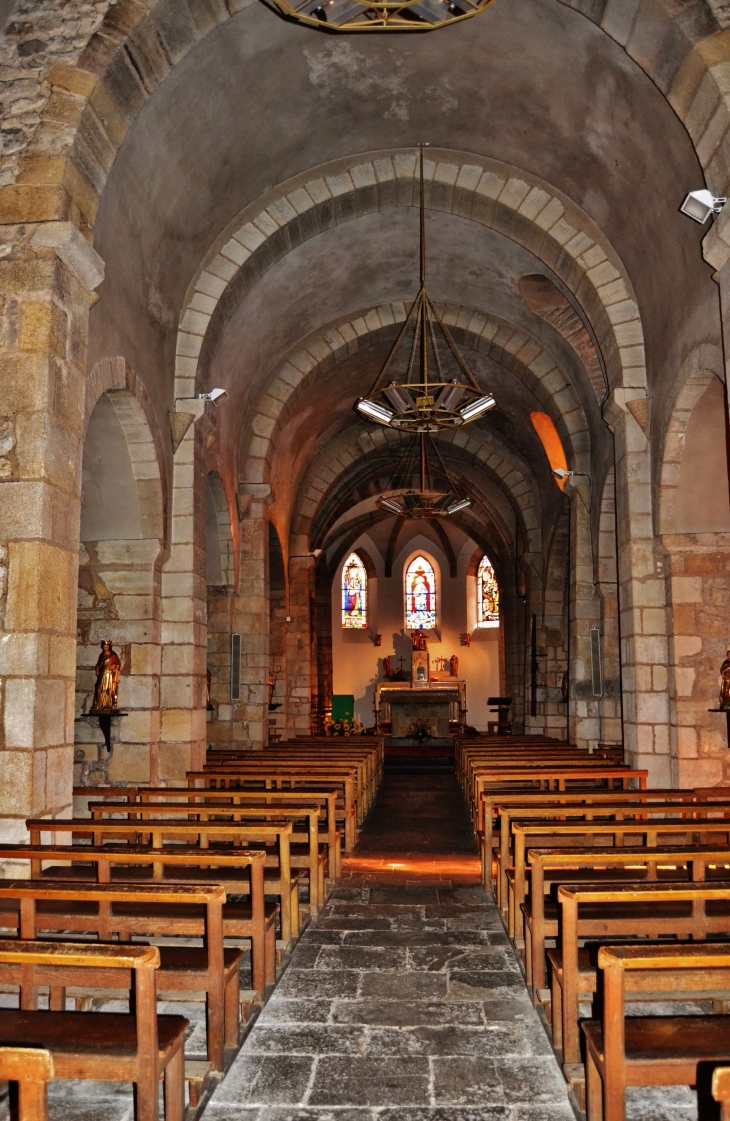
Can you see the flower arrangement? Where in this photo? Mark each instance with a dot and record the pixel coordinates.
(420, 730)
(344, 727)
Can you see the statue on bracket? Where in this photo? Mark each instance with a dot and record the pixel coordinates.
(725, 683)
(419, 640)
(108, 668)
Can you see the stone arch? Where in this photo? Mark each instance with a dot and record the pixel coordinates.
(500, 340)
(133, 408)
(104, 86)
(693, 386)
(120, 553)
(489, 192)
(490, 458)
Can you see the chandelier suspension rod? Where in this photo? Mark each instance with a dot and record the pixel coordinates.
(423, 222)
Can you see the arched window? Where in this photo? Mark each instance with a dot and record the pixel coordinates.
(487, 595)
(354, 594)
(420, 595)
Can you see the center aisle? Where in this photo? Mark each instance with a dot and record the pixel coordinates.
(404, 1001)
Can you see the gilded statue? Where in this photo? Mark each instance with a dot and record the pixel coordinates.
(725, 683)
(419, 641)
(108, 668)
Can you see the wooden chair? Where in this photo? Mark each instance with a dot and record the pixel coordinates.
(139, 1047)
(40, 906)
(652, 1050)
(32, 1069)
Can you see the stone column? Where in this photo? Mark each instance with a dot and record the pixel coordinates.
(183, 682)
(46, 283)
(300, 657)
(250, 619)
(584, 723)
(644, 650)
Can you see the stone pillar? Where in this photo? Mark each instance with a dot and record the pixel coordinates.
(119, 599)
(250, 619)
(184, 655)
(644, 650)
(300, 656)
(584, 723)
(220, 717)
(45, 287)
(699, 635)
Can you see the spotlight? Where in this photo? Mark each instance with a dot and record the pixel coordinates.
(316, 553)
(561, 473)
(461, 505)
(216, 396)
(450, 396)
(374, 411)
(699, 205)
(389, 504)
(477, 407)
(399, 398)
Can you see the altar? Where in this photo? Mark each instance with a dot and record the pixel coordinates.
(401, 702)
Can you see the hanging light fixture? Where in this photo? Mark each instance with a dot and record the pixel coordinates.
(425, 501)
(381, 15)
(427, 400)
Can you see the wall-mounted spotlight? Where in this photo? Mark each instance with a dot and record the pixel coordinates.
(216, 396)
(561, 473)
(699, 205)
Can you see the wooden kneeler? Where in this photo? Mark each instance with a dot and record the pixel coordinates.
(32, 1069)
(139, 1047)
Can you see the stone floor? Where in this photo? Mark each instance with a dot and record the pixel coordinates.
(403, 1002)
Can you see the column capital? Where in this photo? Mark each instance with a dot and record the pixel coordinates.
(73, 249)
(625, 400)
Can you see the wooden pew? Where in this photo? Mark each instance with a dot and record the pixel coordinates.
(491, 802)
(652, 1050)
(587, 834)
(32, 1069)
(721, 1091)
(299, 777)
(551, 867)
(325, 799)
(626, 910)
(608, 811)
(41, 907)
(140, 863)
(309, 857)
(138, 1047)
(162, 833)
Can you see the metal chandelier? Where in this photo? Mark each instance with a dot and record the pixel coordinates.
(427, 399)
(427, 501)
(381, 15)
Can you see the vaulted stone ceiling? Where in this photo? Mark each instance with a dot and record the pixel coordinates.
(260, 102)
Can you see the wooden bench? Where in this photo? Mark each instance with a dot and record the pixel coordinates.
(492, 801)
(325, 799)
(551, 867)
(139, 1047)
(41, 907)
(31, 1068)
(680, 910)
(586, 834)
(512, 816)
(652, 1050)
(288, 776)
(124, 863)
(308, 857)
(278, 878)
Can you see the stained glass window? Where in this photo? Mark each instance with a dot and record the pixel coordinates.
(487, 595)
(354, 593)
(420, 595)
